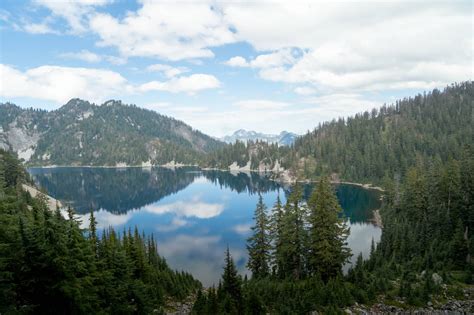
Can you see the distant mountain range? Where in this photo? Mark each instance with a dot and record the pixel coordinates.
(284, 138)
(81, 133)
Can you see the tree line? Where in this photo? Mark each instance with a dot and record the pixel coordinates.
(49, 265)
(297, 250)
(371, 145)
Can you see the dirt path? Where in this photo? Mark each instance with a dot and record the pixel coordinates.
(50, 201)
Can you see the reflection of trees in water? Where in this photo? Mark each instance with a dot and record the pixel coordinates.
(358, 203)
(242, 182)
(120, 190)
(115, 190)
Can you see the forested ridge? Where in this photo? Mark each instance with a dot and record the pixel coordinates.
(49, 265)
(369, 146)
(81, 133)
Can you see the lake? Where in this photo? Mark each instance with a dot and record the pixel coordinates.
(193, 214)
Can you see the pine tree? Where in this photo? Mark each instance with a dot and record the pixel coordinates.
(258, 245)
(231, 290)
(276, 233)
(93, 232)
(293, 238)
(328, 233)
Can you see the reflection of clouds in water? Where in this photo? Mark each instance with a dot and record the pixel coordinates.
(105, 219)
(193, 208)
(175, 224)
(242, 229)
(360, 239)
(201, 180)
(203, 255)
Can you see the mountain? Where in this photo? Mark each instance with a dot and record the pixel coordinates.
(284, 138)
(81, 133)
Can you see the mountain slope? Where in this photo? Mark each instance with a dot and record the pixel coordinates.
(284, 138)
(370, 145)
(81, 133)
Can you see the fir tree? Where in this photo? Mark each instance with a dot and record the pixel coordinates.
(258, 245)
(231, 291)
(276, 234)
(328, 233)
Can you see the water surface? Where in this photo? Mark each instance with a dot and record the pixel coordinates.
(193, 214)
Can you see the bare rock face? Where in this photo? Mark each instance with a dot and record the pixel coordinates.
(20, 136)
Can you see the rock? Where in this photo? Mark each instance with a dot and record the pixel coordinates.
(347, 311)
(429, 304)
(437, 279)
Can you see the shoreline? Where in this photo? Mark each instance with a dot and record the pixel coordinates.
(172, 166)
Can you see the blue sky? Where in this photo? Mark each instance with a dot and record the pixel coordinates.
(221, 66)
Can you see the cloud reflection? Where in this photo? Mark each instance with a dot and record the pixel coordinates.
(193, 208)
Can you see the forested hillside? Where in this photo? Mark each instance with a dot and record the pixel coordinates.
(424, 261)
(81, 133)
(368, 146)
(48, 265)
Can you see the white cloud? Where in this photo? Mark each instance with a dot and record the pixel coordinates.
(167, 70)
(39, 28)
(335, 46)
(188, 84)
(237, 61)
(304, 90)
(165, 30)
(277, 58)
(60, 84)
(83, 55)
(75, 12)
(372, 45)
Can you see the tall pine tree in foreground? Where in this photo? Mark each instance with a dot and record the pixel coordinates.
(276, 232)
(328, 232)
(258, 245)
(230, 291)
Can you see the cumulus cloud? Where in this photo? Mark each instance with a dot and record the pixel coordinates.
(281, 57)
(75, 12)
(59, 84)
(371, 45)
(237, 61)
(164, 30)
(374, 45)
